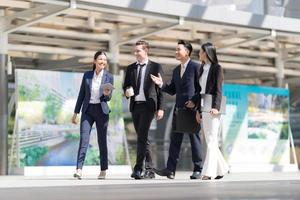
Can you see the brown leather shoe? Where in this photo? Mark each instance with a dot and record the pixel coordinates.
(206, 178)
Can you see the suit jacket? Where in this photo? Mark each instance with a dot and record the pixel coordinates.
(153, 94)
(84, 95)
(213, 85)
(186, 87)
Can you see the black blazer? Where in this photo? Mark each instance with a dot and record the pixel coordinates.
(84, 95)
(153, 94)
(186, 87)
(213, 85)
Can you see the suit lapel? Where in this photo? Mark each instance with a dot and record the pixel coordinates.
(90, 80)
(135, 74)
(185, 71)
(147, 70)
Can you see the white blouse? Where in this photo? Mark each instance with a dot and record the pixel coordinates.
(203, 78)
(95, 92)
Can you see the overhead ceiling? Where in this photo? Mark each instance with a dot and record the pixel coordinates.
(49, 35)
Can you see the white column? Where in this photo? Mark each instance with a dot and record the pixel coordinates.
(114, 50)
(4, 100)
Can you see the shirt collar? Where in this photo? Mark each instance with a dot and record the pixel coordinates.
(99, 75)
(186, 63)
(207, 65)
(146, 62)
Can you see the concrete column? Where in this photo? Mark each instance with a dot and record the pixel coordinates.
(114, 50)
(279, 64)
(3, 105)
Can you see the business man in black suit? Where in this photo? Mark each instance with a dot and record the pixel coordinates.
(146, 101)
(185, 85)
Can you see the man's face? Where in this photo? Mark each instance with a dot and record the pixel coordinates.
(140, 53)
(181, 52)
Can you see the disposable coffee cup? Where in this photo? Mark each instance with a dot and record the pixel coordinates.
(130, 91)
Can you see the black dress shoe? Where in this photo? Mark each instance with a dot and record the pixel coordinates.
(149, 174)
(165, 172)
(136, 175)
(196, 175)
(219, 177)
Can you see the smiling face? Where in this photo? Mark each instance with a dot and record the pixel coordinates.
(100, 63)
(141, 53)
(181, 53)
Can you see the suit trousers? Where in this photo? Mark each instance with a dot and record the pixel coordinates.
(175, 145)
(214, 163)
(142, 117)
(93, 114)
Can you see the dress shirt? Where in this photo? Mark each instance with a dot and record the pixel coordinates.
(141, 95)
(95, 91)
(203, 78)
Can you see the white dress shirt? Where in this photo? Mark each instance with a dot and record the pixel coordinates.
(183, 67)
(141, 95)
(95, 91)
(203, 78)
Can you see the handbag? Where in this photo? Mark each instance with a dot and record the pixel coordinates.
(185, 121)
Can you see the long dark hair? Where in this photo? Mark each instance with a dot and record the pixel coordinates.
(98, 53)
(211, 52)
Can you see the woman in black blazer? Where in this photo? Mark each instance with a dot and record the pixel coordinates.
(210, 80)
(93, 98)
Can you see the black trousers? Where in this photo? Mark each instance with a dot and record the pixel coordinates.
(175, 145)
(142, 117)
(93, 114)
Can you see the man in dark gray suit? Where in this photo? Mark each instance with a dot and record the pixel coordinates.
(184, 84)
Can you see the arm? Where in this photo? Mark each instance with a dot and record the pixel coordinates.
(127, 81)
(108, 98)
(217, 96)
(160, 97)
(170, 88)
(80, 95)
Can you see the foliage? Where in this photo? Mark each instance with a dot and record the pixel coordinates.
(32, 155)
(52, 108)
(92, 156)
(26, 94)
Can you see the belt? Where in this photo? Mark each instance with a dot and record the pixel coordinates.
(140, 102)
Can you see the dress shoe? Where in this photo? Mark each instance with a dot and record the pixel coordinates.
(206, 178)
(136, 175)
(77, 175)
(165, 172)
(149, 174)
(196, 175)
(102, 175)
(219, 177)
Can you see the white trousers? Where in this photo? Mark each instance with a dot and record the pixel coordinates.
(214, 163)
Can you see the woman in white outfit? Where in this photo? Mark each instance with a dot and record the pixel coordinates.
(210, 79)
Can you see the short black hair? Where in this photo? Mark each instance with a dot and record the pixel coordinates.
(187, 45)
(98, 53)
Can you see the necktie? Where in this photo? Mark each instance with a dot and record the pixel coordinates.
(181, 71)
(139, 77)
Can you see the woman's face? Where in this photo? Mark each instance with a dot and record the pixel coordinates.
(100, 62)
(202, 55)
